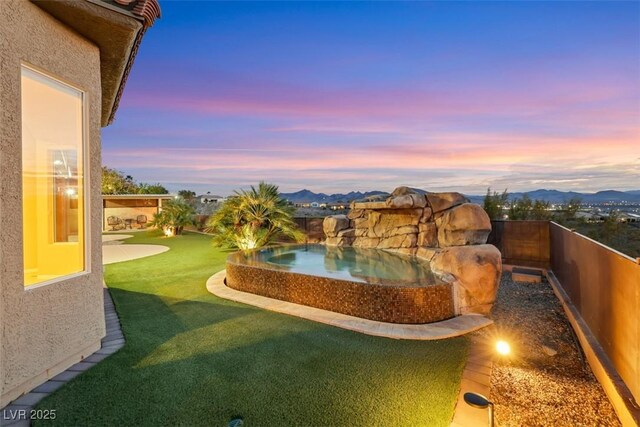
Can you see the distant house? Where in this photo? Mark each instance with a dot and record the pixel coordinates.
(337, 206)
(589, 216)
(211, 198)
(64, 68)
(633, 217)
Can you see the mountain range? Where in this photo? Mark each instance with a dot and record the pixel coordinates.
(552, 196)
(309, 196)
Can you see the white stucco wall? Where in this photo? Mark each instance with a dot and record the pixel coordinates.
(44, 330)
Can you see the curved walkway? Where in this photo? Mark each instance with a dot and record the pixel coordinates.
(433, 331)
(120, 253)
(115, 237)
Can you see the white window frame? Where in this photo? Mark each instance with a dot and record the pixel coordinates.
(84, 96)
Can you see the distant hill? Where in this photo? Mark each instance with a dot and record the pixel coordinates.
(310, 196)
(553, 196)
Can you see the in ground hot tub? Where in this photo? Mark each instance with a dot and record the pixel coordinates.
(367, 283)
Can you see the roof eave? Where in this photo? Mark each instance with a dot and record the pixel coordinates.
(117, 28)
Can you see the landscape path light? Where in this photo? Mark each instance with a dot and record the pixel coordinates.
(503, 348)
(478, 401)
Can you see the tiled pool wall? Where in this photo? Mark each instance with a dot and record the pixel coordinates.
(384, 303)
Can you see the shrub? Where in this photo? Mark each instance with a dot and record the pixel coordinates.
(253, 219)
(174, 216)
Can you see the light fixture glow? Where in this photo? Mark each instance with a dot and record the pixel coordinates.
(70, 191)
(503, 347)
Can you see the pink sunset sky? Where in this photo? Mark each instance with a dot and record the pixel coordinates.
(336, 97)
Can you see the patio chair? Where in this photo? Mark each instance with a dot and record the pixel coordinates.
(141, 220)
(115, 223)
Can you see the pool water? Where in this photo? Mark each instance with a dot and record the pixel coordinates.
(348, 263)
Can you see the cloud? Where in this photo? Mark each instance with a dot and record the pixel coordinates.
(225, 170)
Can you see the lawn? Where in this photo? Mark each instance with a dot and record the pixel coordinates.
(192, 358)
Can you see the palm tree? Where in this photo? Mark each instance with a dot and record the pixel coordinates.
(254, 218)
(174, 216)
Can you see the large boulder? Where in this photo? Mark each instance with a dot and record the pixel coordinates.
(442, 201)
(348, 232)
(366, 242)
(383, 224)
(334, 224)
(476, 274)
(402, 191)
(426, 253)
(398, 241)
(369, 205)
(339, 241)
(427, 235)
(375, 198)
(407, 201)
(466, 224)
(427, 214)
(356, 213)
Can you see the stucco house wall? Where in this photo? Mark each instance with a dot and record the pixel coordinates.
(45, 329)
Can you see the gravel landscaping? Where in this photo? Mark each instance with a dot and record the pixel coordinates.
(535, 385)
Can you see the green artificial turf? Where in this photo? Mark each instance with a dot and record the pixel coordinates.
(192, 358)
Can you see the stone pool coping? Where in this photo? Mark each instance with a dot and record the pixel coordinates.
(450, 328)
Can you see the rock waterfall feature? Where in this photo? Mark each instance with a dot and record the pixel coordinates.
(443, 228)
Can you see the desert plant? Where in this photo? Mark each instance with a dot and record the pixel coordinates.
(174, 216)
(253, 218)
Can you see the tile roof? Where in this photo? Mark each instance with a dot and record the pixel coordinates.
(148, 10)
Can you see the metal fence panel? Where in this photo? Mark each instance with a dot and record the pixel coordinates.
(604, 286)
(523, 243)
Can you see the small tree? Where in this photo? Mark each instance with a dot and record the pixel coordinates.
(144, 188)
(541, 210)
(254, 218)
(494, 203)
(520, 209)
(116, 182)
(612, 226)
(569, 211)
(174, 216)
(187, 195)
(572, 207)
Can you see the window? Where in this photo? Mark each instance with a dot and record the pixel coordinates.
(53, 191)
